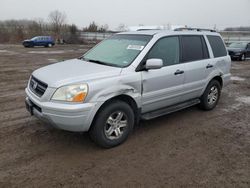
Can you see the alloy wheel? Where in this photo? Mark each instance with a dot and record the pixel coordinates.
(115, 125)
(212, 95)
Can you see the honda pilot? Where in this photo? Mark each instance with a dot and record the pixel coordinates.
(128, 77)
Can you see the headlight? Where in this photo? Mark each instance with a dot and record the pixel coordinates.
(71, 93)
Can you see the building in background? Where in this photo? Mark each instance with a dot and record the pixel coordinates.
(154, 27)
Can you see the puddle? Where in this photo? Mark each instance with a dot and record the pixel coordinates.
(244, 99)
(236, 78)
(47, 52)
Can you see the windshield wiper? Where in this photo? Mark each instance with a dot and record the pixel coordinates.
(82, 58)
(97, 61)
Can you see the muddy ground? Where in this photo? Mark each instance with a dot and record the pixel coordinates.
(190, 148)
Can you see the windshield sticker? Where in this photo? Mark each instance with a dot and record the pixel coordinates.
(135, 47)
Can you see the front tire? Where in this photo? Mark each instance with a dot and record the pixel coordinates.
(211, 96)
(112, 124)
(243, 57)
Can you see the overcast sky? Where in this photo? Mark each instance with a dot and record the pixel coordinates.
(198, 13)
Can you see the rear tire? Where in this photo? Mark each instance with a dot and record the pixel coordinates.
(211, 95)
(48, 45)
(112, 124)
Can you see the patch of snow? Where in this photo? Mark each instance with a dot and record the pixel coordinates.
(236, 78)
(7, 52)
(244, 99)
(47, 52)
(53, 60)
(233, 107)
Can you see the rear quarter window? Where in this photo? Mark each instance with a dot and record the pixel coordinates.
(217, 46)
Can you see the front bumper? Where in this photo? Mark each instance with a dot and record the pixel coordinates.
(70, 117)
(235, 56)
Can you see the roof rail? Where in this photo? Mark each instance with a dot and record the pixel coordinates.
(193, 29)
(148, 29)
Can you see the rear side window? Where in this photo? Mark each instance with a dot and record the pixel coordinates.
(217, 46)
(166, 49)
(193, 48)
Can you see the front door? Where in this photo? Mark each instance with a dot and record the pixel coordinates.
(163, 87)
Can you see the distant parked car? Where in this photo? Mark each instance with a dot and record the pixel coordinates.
(239, 50)
(46, 41)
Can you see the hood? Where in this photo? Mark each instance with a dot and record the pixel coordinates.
(27, 40)
(235, 49)
(74, 71)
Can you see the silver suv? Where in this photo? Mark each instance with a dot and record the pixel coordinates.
(128, 77)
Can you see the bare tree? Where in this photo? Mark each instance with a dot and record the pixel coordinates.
(73, 36)
(93, 27)
(122, 27)
(57, 20)
(103, 28)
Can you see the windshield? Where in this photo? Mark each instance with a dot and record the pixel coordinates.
(238, 45)
(34, 38)
(119, 50)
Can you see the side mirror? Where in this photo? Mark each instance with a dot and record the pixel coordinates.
(154, 64)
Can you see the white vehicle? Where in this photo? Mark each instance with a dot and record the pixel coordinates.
(128, 77)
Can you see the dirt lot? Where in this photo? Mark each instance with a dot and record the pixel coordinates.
(190, 148)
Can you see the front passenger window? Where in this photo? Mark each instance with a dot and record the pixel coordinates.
(166, 49)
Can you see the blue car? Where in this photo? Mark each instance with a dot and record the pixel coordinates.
(46, 41)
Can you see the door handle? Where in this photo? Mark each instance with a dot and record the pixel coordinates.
(179, 72)
(209, 66)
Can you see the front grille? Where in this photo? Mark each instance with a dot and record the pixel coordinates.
(38, 87)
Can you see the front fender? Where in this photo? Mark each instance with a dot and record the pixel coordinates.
(110, 92)
(126, 84)
(114, 91)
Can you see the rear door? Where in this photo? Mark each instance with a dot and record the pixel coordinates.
(195, 57)
(163, 87)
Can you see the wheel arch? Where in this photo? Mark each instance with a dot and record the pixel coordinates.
(215, 77)
(124, 98)
(219, 79)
